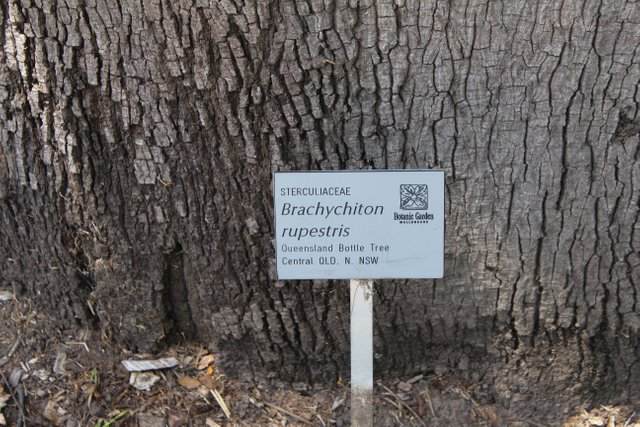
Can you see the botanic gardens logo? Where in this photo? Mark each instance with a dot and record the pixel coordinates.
(413, 197)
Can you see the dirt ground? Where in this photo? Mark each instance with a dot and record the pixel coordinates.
(52, 377)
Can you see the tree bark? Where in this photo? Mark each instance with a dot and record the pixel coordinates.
(138, 138)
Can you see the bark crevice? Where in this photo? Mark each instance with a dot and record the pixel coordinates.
(175, 295)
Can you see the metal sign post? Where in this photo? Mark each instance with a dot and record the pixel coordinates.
(346, 224)
(361, 301)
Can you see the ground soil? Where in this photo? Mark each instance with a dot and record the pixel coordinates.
(76, 378)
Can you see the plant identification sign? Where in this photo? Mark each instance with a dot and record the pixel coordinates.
(359, 224)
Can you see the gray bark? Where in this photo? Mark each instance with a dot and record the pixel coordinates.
(138, 138)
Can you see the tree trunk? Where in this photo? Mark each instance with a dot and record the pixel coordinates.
(138, 140)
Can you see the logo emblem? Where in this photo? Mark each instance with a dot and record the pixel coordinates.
(414, 197)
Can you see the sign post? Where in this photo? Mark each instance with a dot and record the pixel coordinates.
(361, 301)
(360, 225)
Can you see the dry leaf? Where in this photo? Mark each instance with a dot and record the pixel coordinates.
(207, 381)
(189, 383)
(205, 361)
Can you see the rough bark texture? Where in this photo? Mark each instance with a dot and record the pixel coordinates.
(137, 139)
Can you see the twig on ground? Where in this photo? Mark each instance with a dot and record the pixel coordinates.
(5, 359)
(291, 414)
(388, 390)
(20, 403)
(426, 391)
(223, 405)
(392, 403)
(629, 419)
(82, 343)
(19, 399)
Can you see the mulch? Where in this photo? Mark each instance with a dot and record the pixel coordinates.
(53, 377)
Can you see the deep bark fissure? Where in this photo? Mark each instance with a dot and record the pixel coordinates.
(86, 286)
(176, 296)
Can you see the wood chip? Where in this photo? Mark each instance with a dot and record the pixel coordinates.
(189, 383)
(150, 365)
(15, 377)
(404, 386)
(58, 365)
(82, 343)
(6, 296)
(415, 379)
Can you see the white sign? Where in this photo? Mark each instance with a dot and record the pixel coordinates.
(359, 224)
